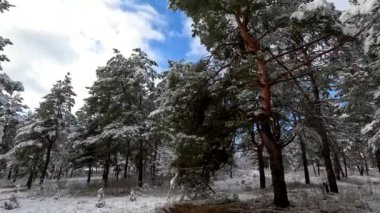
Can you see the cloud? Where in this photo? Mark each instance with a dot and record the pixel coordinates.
(54, 37)
(196, 49)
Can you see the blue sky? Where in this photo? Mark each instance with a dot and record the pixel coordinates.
(78, 36)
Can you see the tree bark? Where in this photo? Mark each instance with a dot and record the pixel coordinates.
(304, 160)
(15, 174)
(10, 173)
(59, 172)
(107, 165)
(345, 165)
(252, 46)
(336, 166)
(140, 164)
(260, 160)
(47, 161)
(153, 179)
(377, 153)
(277, 169)
(126, 160)
(317, 123)
(30, 179)
(116, 168)
(89, 172)
(366, 165)
(361, 170)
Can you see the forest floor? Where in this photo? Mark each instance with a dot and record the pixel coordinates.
(357, 194)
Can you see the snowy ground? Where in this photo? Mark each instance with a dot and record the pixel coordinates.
(357, 194)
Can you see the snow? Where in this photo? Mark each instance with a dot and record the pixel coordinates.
(357, 194)
(87, 204)
(361, 8)
(305, 10)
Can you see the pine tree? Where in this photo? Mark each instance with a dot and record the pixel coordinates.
(117, 108)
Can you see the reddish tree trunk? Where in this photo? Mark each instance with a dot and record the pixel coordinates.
(276, 166)
(252, 46)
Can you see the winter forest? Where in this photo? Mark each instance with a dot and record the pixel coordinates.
(282, 114)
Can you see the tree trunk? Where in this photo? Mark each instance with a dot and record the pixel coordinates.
(345, 165)
(361, 170)
(336, 166)
(260, 160)
(107, 165)
(116, 168)
(32, 173)
(126, 160)
(30, 179)
(89, 172)
(252, 46)
(276, 166)
(153, 179)
(10, 173)
(366, 166)
(46, 164)
(59, 173)
(15, 174)
(377, 153)
(317, 123)
(304, 160)
(140, 165)
(318, 169)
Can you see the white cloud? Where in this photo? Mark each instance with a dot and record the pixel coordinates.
(196, 49)
(54, 37)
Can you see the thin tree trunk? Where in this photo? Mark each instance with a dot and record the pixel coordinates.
(140, 165)
(116, 168)
(126, 160)
(47, 161)
(32, 173)
(30, 179)
(345, 165)
(336, 166)
(107, 165)
(366, 166)
(59, 172)
(318, 169)
(89, 172)
(260, 160)
(15, 174)
(304, 160)
(361, 170)
(318, 125)
(10, 173)
(377, 153)
(154, 162)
